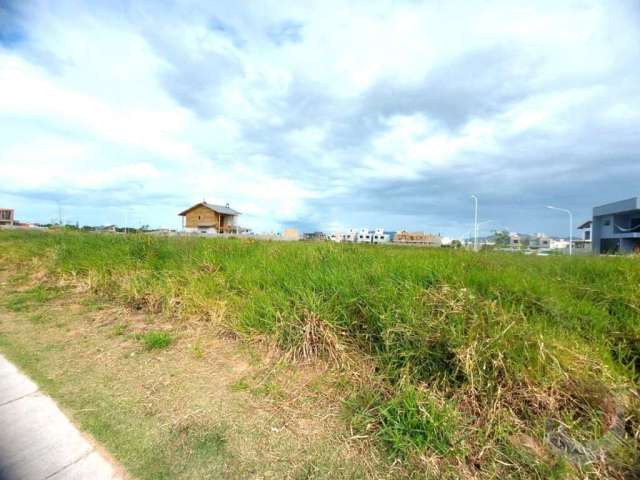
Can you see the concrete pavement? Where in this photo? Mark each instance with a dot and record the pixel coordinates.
(37, 441)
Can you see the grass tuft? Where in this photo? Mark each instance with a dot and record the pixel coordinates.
(153, 340)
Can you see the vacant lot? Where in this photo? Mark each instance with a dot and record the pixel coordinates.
(201, 357)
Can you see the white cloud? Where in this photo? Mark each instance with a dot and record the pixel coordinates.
(282, 109)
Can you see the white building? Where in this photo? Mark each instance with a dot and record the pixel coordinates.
(380, 237)
(364, 236)
(350, 236)
(559, 244)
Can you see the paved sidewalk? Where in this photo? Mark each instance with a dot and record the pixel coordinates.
(37, 441)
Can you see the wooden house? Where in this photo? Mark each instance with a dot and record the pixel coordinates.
(208, 218)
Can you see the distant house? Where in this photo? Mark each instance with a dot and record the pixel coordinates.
(350, 236)
(586, 230)
(417, 238)
(315, 236)
(616, 227)
(380, 236)
(291, 234)
(364, 236)
(559, 244)
(540, 242)
(515, 241)
(209, 218)
(584, 244)
(6, 216)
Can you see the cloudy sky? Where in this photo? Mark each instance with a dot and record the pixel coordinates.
(320, 115)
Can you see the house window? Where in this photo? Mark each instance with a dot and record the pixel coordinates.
(587, 235)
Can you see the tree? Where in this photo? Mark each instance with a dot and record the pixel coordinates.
(502, 239)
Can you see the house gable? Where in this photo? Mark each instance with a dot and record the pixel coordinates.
(201, 216)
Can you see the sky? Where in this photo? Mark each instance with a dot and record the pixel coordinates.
(320, 115)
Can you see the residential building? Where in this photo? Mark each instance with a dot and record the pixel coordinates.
(586, 230)
(584, 244)
(209, 218)
(515, 241)
(315, 236)
(6, 216)
(559, 244)
(616, 227)
(350, 236)
(380, 236)
(417, 238)
(540, 242)
(364, 236)
(291, 234)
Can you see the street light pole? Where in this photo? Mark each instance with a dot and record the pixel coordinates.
(570, 225)
(475, 224)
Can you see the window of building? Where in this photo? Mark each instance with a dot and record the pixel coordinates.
(607, 222)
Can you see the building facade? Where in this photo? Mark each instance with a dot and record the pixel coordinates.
(417, 238)
(291, 234)
(615, 227)
(584, 244)
(6, 216)
(314, 236)
(205, 217)
(540, 242)
(380, 236)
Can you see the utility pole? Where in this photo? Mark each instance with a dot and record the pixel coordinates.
(570, 225)
(475, 224)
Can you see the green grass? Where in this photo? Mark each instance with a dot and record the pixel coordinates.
(467, 349)
(31, 298)
(154, 340)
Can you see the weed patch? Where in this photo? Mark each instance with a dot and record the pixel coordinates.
(31, 298)
(154, 340)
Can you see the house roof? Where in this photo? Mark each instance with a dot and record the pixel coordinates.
(586, 224)
(224, 210)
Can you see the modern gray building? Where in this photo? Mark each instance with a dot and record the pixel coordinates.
(616, 227)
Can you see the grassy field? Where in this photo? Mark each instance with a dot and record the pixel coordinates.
(442, 363)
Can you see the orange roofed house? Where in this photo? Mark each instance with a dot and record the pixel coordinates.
(208, 218)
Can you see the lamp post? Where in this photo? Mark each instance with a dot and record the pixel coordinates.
(475, 224)
(570, 225)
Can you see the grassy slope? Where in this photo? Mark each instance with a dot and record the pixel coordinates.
(483, 364)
